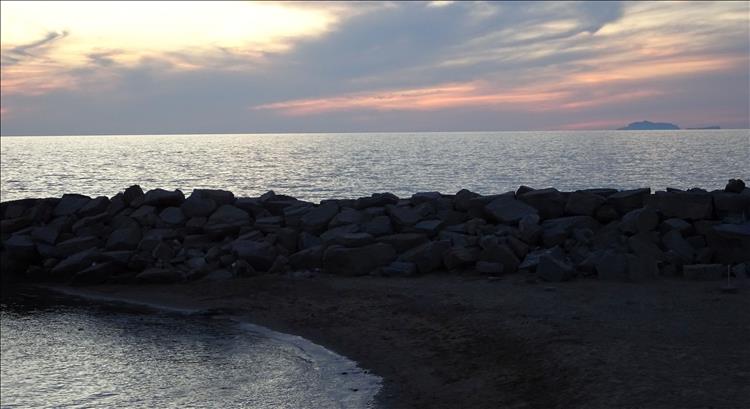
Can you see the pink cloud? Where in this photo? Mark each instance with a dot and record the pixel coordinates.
(420, 99)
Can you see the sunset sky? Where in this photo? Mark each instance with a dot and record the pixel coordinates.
(174, 67)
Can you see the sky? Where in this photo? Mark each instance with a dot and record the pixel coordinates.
(246, 67)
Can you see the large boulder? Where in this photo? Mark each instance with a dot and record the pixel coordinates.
(425, 197)
(555, 231)
(451, 217)
(124, 239)
(309, 258)
(403, 241)
(354, 239)
(229, 215)
(46, 234)
(287, 238)
(582, 203)
(332, 235)
(376, 200)
(496, 252)
(16, 208)
(116, 205)
(163, 198)
(519, 247)
(278, 203)
(317, 219)
(429, 227)
(731, 205)
(506, 209)
(70, 204)
(293, 214)
(674, 223)
(260, 255)
(94, 206)
(673, 241)
(428, 257)
(730, 242)
(133, 196)
(739, 231)
(91, 226)
(683, 205)
(252, 205)
(75, 263)
(13, 225)
(550, 203)
(735, 186)
(75, 245)
(403, 215)
(553, 269)
(357, 261)
(639, 220)
(172, 216)
(461, 200)
(627, 200)
(145, 215)
(348, 216)
(532, 259)
(378, 226)
(306, 240)
(21, 247)
(196, 206)
(460, 257)
(218, 196)
(529, 229)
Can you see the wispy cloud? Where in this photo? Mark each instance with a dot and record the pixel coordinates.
(30, 51)
(421, 99)
(495, 65)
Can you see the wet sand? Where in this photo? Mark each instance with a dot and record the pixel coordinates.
(469, 342)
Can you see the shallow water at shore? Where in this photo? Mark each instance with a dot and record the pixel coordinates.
(100, 356)
(323, 166)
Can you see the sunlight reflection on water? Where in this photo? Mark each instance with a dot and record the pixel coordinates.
(71, 356)
(322, 166)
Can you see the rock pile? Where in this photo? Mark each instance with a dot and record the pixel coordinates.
(161, 236)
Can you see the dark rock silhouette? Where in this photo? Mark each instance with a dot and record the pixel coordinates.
(160, 236)
(647, 126)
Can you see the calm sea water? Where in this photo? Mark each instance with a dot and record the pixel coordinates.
(83, 357)
(322, 166)
(95, 356)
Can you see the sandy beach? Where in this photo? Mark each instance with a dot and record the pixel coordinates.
(466, 341)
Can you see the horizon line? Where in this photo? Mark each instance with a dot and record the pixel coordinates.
(364, 132)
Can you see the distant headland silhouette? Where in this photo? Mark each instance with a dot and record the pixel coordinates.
(648, 125)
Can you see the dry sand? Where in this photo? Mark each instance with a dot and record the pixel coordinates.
(468, 342)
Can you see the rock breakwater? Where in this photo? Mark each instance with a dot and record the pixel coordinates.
(162, 236)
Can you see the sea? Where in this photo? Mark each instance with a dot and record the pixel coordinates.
(321, 166)
(66, 352)
(91, 355)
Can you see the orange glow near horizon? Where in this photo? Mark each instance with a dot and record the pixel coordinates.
(551, 64)
(421, 99)
(559, 95)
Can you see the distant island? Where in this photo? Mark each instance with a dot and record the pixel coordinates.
(648, 125)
